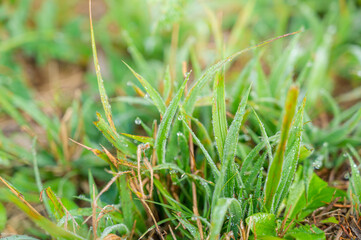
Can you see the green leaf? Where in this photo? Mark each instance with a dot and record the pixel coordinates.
(274, 172)
(264, 135)
(57, 208)
(142, 139)
(103, 94)
(153, 94)
(205, 152)
(262, 224)
(329, 220)
(19, 237)
(166, 122)
(3, 217)
(48, 226)
(230, 149)
(355, 180)
(306, 232)
(197, 87)
(119, 228)
(247, 162)
(119, 142)
(319, 193)
(219, 118)
(218, 214)
(290, 164)
(190, 227)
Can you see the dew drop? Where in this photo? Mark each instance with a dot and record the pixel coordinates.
(180, 117)
(138, 121)
(346, 176)
(179, 134)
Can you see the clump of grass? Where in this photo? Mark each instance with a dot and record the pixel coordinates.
(188, 177)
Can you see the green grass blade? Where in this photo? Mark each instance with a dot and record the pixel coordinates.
(283, 68)
(247, 162)
(256, 170)
(219, 213)
(18, 237)
(121, 228)
(219, 119)
(355, 180)
(290, 164)
(58, 209)
(51, 228)
(142, 139)
(274, 172)
(194, 92)
(204, 136)
(119, 142)
(230, 148)
(153, 94)
(190, 227)
(205, 152)
(103, 94)
(264, 134)
(166, 122)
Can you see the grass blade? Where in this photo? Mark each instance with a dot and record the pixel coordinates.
(194, 92)
(58, 209)
(290, 164)
(230, 148)
(165, 124)
(219, 119)
(355, 180)
(142, 139)
(219, 213)
(48, 226)
(119, 142)
(153, 94)
(205, 152)
(274, 172)
(103, 94)
(264, 134)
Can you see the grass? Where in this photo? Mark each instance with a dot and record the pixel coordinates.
(188, 143)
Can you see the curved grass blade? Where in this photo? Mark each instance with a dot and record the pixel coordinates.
(256, 170)
(206, 154)
(164, 127)
(249, 159)
(230, 149)
(103, 94)
(44, 223)
(274, 172)
(153, 94)
(219, 118)
(115, 228)
(264, 134)
(119, 142)
(194, 92)
(204, 135)
(219, 213)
